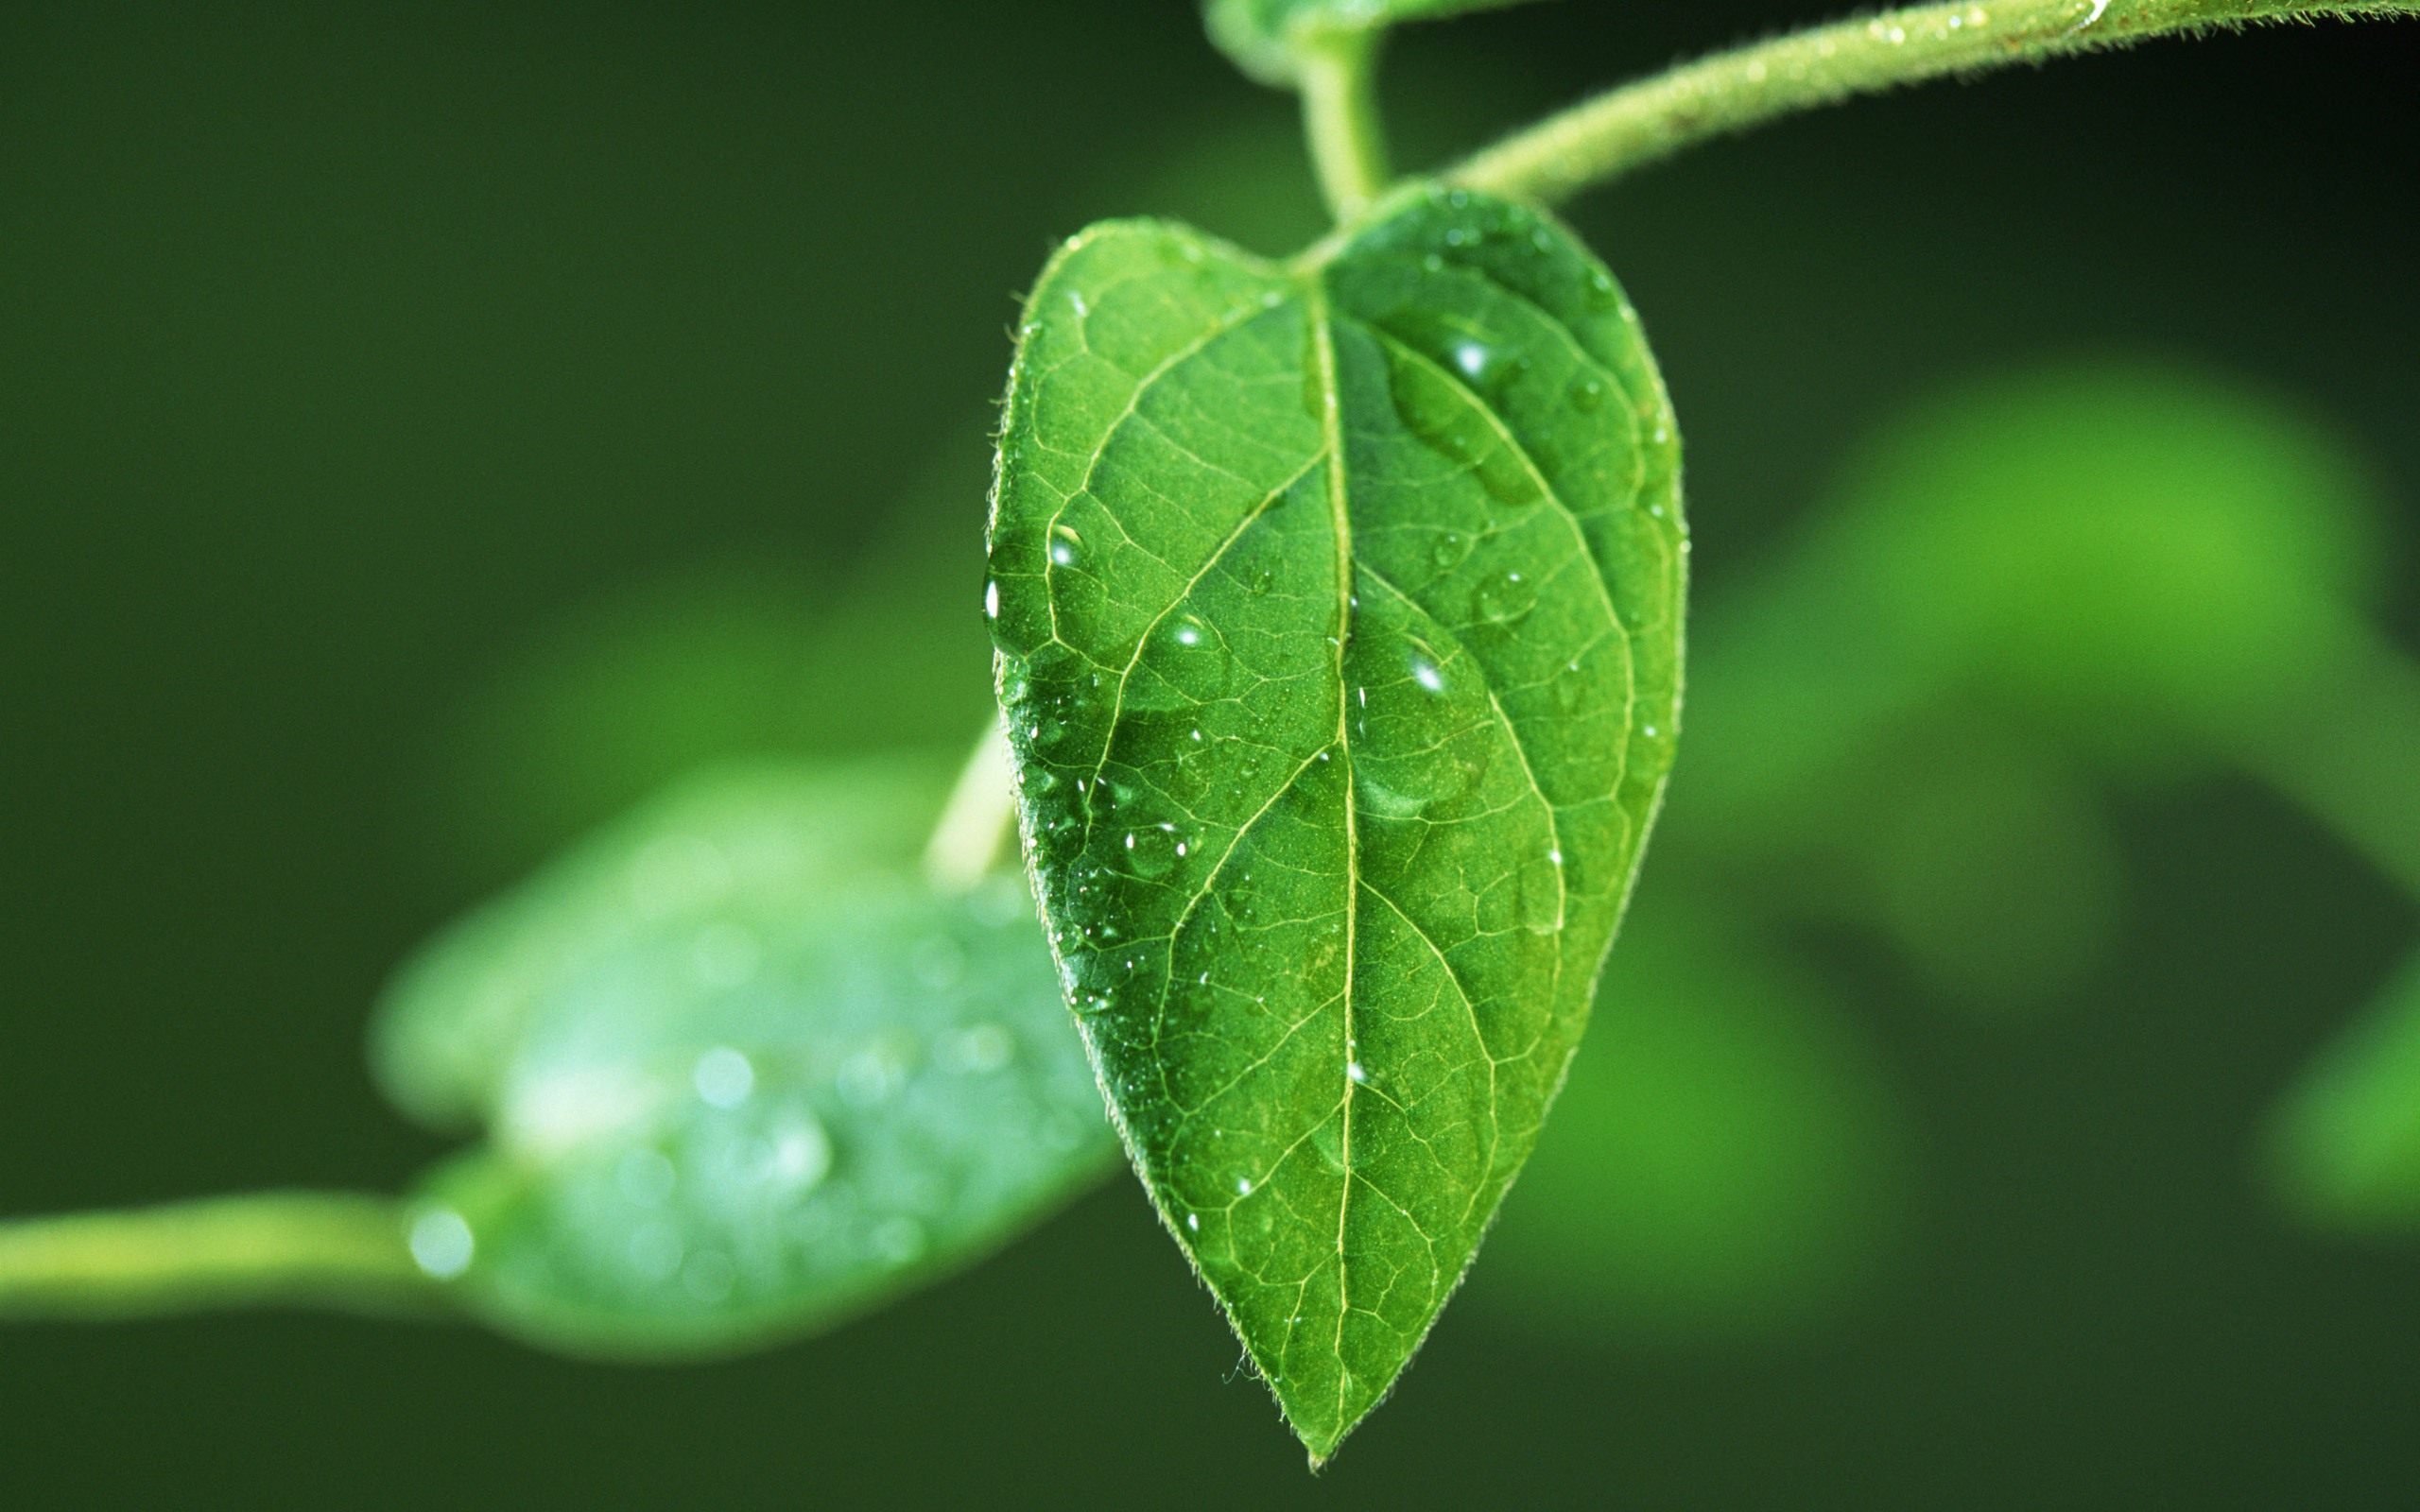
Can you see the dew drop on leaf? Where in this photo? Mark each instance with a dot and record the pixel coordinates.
(1505, 598)
(1151, 853)
(1066, 547)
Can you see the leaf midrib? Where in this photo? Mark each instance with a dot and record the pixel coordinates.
(1332, 427)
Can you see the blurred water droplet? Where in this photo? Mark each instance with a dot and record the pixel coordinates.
(936, 960)
(979, 1048)
(724, 1077)
(645, 1178)
(709, 1276)
(441, 1244)
(801, 1152)
(871, 1076)
(655, 1250)
(898, 1240)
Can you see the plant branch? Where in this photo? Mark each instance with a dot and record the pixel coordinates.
(1338, 77)
(279, 1248)
(1638, 123)
(978, 819)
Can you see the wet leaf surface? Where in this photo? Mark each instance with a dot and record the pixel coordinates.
(1339, 605)
(743, 1073)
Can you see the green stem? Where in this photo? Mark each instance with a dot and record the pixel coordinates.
(277, 1248)
(2349, 753)
(1338, 77)
(1638, 123)
(978, 819)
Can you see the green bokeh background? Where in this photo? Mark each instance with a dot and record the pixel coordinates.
(375, 383)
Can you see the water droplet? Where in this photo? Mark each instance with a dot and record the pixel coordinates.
(1603, 293)
(1587, 394)
(1504, 598)
(979, 1048)
(1451, 548)
(1243, 1186)
(655, 1251)
(1422, 663)
(801, 1152)
(441, 1244)
(1472, 359)
(1193, 1222)
(1507, 479)
(871, 1076)
(1066, 547)
(724, 1077)
(899, 1241)
(1151, 852)
(709, 1276)
(1571, 688)
(1357, 1072)
(645, 1177)
(992, 599)
(1260, 580)
(939, 961)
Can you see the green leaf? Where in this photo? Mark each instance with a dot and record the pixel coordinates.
(2344, 1146)
(742, 1072)
(1266, 38)
(1339, 605)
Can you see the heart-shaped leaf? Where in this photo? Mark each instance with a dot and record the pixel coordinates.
(1339, 606)
(742, 1071)
(1266, 38)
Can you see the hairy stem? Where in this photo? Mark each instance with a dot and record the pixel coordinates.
(1338, 77)
(981, 816)
(2349, 753)
(278, 1248)
(1638, 123)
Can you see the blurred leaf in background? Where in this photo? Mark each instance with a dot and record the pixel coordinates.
(742, 1071)
(1728, 1155)
(2343, 1150)
(2022, 589)
(706, 664)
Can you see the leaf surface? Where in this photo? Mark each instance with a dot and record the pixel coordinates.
(1339, 606)
(1265, 37)
(742, 1072)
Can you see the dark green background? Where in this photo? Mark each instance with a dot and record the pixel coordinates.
(344, 350)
